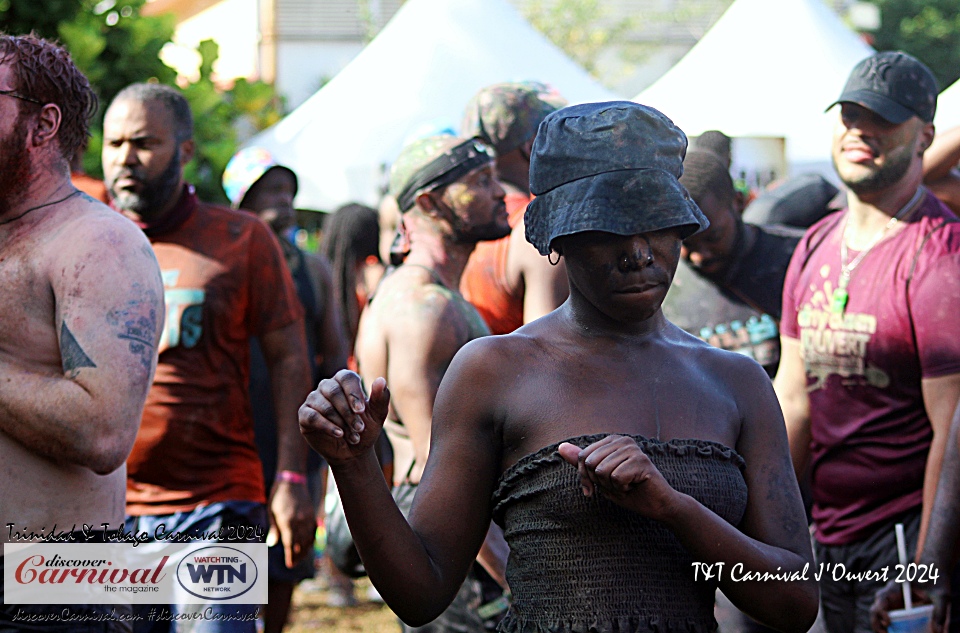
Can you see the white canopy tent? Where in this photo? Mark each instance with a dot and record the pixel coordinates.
(422, 68)
(767, 68)
(948, 108)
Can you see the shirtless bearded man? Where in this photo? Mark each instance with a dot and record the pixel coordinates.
(81, 317)
(450, 200)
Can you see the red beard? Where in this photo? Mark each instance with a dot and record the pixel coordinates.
(14, 167)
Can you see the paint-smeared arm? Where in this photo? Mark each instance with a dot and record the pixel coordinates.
(108, 316)
(942, 156)
(940, 397)
(451, 511)
(940, 171)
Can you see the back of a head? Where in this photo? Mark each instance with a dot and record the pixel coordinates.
(350, 236)
(507, 115)
(44, 73)
(171, 99)
(717, 142)
(704, 173)
(352, 229)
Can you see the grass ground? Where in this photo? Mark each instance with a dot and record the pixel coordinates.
(310, 613)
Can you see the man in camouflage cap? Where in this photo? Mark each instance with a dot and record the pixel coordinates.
(450, 200)
(507, 280)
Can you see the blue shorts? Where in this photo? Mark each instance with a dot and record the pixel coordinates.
(205, 518)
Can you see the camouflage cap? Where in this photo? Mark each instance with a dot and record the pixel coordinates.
(434, 161)
(507, 115)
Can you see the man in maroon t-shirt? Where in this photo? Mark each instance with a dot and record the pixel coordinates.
(870, 363)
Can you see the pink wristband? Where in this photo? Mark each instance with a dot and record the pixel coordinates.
(291, 477)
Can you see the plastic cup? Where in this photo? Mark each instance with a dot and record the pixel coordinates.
(916, 620)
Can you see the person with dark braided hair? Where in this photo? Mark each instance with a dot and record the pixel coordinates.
(351, 238)
(79, 324)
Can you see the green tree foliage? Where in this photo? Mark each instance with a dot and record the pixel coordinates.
(609, 42)
(114, 45)
(927, 29)
(217, 117)
(583, 29)
(41, 16)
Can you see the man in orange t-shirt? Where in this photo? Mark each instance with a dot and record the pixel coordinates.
(507, 280)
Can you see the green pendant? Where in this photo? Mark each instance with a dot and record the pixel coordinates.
(839, 301)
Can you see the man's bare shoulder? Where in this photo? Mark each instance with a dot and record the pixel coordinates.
(413, 293)
(87, 225)
(529, 344)
(706, 355)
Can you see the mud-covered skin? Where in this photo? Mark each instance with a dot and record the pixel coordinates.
(78, 281)
(606, 362)
(78, 348)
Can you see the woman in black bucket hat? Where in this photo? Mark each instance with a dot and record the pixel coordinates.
(632, 467)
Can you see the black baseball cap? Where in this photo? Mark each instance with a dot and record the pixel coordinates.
(894, 85)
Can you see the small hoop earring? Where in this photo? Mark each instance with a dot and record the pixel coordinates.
(550, 258)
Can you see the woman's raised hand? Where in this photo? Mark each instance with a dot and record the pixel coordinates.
(339, 421)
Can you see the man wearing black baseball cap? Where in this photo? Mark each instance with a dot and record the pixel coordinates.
(870, 363)
(894, 85)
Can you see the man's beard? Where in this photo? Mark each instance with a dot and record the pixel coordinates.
(154, 194)
(890, 173)
(483, 233)
(14, 167)
(464, 233)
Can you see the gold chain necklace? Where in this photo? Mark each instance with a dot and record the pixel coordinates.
(841, 296)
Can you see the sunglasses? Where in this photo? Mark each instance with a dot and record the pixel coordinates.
(17, 95)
